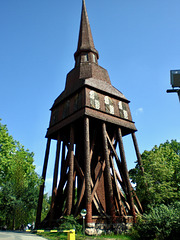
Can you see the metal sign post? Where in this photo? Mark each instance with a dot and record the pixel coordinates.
(83, 214)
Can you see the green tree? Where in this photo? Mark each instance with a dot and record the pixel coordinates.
(19, 183)
(160, 183)
(46, 206)
(174, 145)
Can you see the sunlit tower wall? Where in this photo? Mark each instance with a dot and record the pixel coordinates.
(89, 120)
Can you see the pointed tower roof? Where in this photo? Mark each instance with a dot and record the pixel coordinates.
(85, 42)
(87, 72)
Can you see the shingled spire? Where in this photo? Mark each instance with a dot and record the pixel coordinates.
(85, 42)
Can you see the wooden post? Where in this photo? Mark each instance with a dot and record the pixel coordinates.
(40, 201)
(62, 159)
(116, 187)
(137, 152)
(126, 174)
(87, 171)
(71, 172)
(108, 174)
(54, 186)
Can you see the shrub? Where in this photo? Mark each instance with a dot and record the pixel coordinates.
(161, 223)
(69, 222)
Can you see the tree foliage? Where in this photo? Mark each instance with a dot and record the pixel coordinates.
(19, 183)
(69, 222)
(45, 206)
(161, 223)
(160, 183)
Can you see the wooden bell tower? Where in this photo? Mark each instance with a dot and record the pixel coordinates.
(88, 121)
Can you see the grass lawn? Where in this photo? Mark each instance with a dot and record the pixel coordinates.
(63, 236)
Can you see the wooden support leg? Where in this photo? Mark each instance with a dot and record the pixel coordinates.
(87, 171)
(71, 172)
(82, 177)
(62, 159)
(137, 152)
(119, 202)
(54, 186)
(40, 201)
(126, 175)
(116, 187)
(108, 174)
(117, 162)
(64, 166)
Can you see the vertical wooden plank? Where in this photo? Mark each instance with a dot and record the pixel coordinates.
(126, 174)
(41, 191)
(108, 174)
(87, 171)
(71, 172)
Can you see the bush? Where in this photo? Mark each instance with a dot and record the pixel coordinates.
(69, 222)
(161, 223)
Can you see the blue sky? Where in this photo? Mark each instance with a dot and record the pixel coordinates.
(138, 43)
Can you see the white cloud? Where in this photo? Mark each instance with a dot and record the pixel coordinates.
(139, 110)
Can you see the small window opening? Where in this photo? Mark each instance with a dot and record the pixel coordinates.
(85, 58)
(94, 58)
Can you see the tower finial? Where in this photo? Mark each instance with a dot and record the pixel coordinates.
(85, 42)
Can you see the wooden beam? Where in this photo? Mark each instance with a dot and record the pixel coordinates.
(60, 199)
(98, 179)
(54, 186)
(97, 202)
(41, 192)
(80, 198)
(137, 153)
(62, 158)
(108, 174)
(94, 196)
(63, 172)
(92, 145)
(126, 175)
(74, 192)
(137, 200)
(78, 168)
(71, 172)
(87, 170)
(81, 174)
(116, 187)
(118, 162)
(112, 147)
(121, 182)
